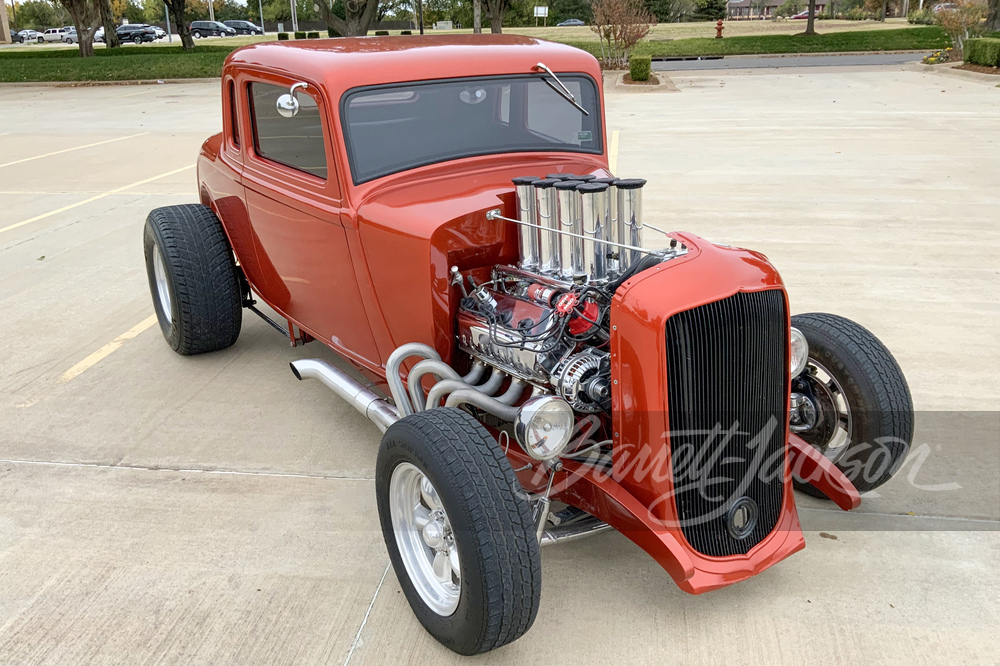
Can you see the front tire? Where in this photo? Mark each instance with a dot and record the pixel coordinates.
(861, 413)
(197, 294)
(459, 530)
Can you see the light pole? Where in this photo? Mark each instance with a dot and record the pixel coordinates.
(166, 15)
(260, 8)
(295, 17)
(211, 10)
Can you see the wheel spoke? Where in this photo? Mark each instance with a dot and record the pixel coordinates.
(442, 567)
(429, 494)
(453, 560)
(421, 516)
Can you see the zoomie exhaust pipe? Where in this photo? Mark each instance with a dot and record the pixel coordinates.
(377, 410)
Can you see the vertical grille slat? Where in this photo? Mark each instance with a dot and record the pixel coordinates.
(727, 368)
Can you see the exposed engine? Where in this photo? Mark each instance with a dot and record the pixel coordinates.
(546, 321)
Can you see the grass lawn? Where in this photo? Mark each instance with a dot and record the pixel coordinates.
(163, 61)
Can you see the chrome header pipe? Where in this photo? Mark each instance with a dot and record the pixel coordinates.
(378, 411)
(526, 213)
(548, 221)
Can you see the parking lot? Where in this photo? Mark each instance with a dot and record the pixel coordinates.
(165, 509)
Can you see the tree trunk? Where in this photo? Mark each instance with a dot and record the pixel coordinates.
(85, 19)
(477, 17)
(885, 5)
(111, 40)
(356, 24)
(993, 17)
(177, 11)
(811, 23)
(496, 22)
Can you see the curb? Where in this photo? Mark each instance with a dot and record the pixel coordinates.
(783, 55)
(948, 69)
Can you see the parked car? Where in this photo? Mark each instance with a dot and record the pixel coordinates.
(244, 27)
(99, 35)
(52, 35)
(570, 22)
(159, 32)
(15, 37)
(136, 33)
(804, 14)
(945, 6)
(533, 347)
(201, 29)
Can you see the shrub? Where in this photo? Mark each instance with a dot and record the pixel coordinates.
(789, 8)
(406, 32)
(984, 52)
(330, 32)
(300, 35)
(312, 34)
(961, 22)
(921, 17)
(639, 67)
(282, 36)
(855, 14)
(619, 25)
(381, 33)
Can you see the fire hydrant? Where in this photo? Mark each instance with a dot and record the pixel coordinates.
(718, 29)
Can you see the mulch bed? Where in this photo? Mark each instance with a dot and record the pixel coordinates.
(653, 81)
(982, 69)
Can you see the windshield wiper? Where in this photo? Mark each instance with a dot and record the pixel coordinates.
(562, 90)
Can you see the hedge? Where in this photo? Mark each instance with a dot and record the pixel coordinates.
(313, 35)
(639, 67)
(406, 32)
(282, 36)
(381, 33)
(984, 52)
(300, 35)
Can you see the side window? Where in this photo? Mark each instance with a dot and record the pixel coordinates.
(234, 127)
(298, 141)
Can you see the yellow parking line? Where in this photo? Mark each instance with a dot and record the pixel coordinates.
(67, 150)
(93, 198)
(106, 350)
(613, 153)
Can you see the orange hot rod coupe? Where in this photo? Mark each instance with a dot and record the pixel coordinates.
(545, 363)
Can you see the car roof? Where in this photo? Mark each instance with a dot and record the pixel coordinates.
(348, 62)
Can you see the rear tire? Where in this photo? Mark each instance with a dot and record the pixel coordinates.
(852, 366)
(193, 279)
(486, 516)
(196, 34)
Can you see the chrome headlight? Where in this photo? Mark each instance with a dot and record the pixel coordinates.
(800, 352)
(544, 427)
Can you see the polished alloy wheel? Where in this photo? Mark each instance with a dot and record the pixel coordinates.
(425, 539)
(824, 417)
(162, 288)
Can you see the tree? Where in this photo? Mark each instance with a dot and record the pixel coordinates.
(358, 17)
(961, 22)
(178, 9)
(712, 10)
(811, 23)
(111, 40)
(477, 17)
(40, 15)
(496, 10)
(560, 10)
(993, 17)
(85, 18)
(670, 11)
(620, 25)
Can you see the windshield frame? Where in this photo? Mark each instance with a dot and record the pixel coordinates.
(388, 87)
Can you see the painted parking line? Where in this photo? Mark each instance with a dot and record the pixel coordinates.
(106, 350)
(93, 198)
(68, 150)
(613, 153)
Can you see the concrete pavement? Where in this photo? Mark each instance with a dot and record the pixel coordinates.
(213, 510)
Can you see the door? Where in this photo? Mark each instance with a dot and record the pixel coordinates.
(294, 199)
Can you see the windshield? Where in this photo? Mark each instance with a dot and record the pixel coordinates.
(393, 128)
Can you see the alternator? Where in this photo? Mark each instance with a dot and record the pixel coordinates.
(584, 380)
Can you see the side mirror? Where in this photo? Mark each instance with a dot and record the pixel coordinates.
(288, 104)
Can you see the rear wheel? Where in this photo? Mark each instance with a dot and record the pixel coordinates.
(193, 279)
(137, 39)
(458, 530)
(196, 34)
(851, 402)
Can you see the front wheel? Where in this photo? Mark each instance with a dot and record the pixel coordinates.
(196, 34)
(458, 529)
(851, 402)
(197, 293)
(137, 40)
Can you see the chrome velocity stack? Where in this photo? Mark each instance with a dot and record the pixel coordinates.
(617, 257)
(547, 217)
(629, 208)
(571, 248)
(594, 207)
(526, 213)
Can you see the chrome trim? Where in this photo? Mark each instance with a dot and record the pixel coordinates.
(577, 529)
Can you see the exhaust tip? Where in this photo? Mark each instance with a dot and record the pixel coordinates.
(295, 371)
